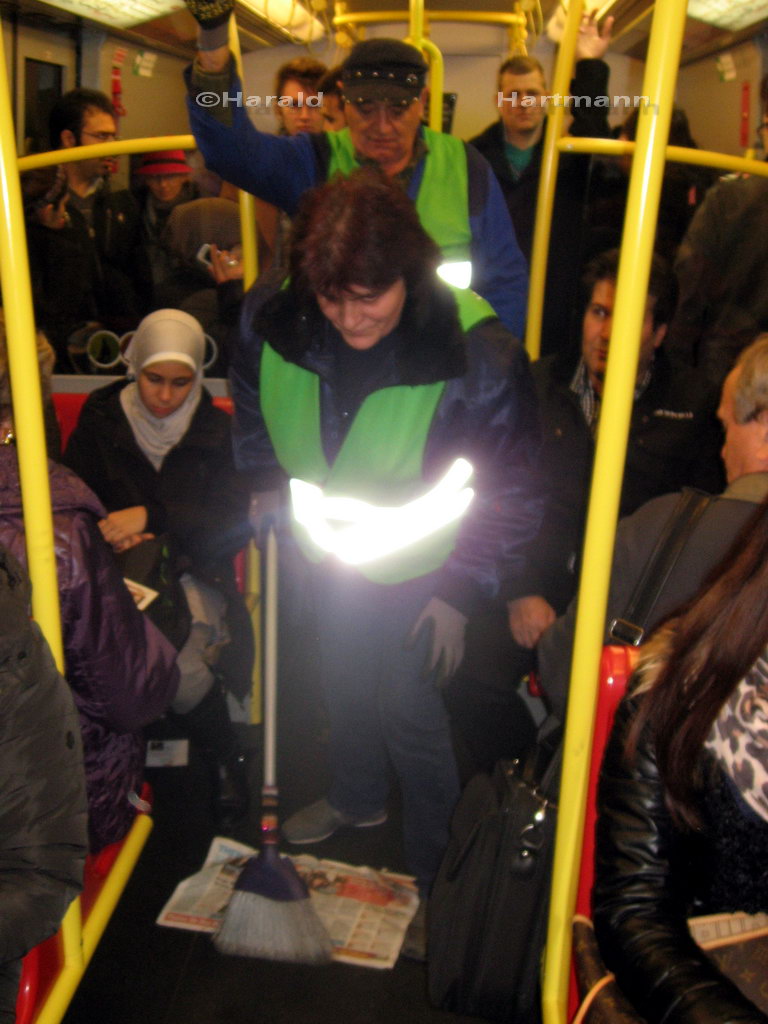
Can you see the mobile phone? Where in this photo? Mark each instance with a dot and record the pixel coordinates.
(204, 254)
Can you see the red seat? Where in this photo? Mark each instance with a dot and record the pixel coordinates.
(42, 964)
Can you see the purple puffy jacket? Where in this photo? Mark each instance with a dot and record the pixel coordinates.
(122, 671)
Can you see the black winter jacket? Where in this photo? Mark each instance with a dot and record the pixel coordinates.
(43, 816)
(197, 496)
(650, 877)
(674, 442)
(487, 414)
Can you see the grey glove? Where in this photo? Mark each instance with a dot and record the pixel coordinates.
(266, 510)
(447, 626)
(210, 13)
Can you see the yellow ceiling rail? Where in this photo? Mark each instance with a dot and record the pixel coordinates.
(548, 180)
(477, 17)
(25, 385)
(645, 181)
(675, 154)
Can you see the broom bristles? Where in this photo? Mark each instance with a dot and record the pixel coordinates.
(271, 929)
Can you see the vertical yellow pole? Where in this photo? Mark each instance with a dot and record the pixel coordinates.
(639, 230)
(25, 385)
(550, 160)
(436, 67)
(247, 203)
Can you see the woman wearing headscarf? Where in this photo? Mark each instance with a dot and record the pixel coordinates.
(158, 453)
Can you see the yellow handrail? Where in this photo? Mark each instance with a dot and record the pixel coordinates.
(548, 180)
(25, 386)
(645, 182)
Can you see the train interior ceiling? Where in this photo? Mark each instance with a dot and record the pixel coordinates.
(56, 47)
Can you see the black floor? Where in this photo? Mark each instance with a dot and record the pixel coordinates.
(145, 974)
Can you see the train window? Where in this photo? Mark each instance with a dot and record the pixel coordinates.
(43, 86)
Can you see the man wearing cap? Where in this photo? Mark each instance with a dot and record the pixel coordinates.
(165, 180)
(457, 197)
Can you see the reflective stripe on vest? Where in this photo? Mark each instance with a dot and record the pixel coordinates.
(443, 198)
(381, 458)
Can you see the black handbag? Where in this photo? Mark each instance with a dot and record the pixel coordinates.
(487, 914)
(153, 564)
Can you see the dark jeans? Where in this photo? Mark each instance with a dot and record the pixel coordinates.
(382, 711)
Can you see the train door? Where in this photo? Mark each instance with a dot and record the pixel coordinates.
(44, 68)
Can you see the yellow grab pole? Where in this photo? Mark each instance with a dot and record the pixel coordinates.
(416, 22)
(246, 200)
(436, 80)
(548, 178)
(25, 386)
(631, 292)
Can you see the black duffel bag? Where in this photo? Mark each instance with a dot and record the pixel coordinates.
(487, 916)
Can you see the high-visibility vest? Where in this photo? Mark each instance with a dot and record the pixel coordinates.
(442, 202)
(381, 458)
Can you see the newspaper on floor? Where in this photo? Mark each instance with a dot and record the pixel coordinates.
(366, 912)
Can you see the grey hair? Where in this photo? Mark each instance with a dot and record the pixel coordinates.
(750, 395)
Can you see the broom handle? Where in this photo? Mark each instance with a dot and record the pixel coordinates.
(270, 661)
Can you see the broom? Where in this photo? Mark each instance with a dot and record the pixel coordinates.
(270, 914)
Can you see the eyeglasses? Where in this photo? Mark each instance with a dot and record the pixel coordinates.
(101, 136)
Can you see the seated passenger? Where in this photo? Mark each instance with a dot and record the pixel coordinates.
(743, 414)
(120, 668)
(158, 454)
(43, 815)
(683, 797)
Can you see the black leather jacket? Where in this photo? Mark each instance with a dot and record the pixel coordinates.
(650, 877)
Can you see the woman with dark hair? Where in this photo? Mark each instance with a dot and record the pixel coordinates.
(683, 798)
(382, 393)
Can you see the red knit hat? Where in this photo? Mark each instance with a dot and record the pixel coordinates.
(169, 161)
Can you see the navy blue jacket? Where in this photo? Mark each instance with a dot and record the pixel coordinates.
(279, 169)
(487, 414)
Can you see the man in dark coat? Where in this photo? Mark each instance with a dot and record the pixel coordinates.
(673, 442)
(743, 413)
(513, 147)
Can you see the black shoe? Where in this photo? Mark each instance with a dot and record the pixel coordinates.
(230, 795)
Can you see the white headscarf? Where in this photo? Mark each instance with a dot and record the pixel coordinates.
(165, 335)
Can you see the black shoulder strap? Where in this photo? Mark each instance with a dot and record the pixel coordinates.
(630, 629)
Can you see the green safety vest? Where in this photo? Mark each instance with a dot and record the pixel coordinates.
(443, 199)
(381, 458)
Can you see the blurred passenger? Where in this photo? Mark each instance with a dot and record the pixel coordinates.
(120, 668)
(329, 87)
(458, 199)
(165, 182)
(743, 415)
(298, 81)
(63, 285)
(158, 453)
(722, 270)
(43, 810)
(203, 237)
(368, 377)
(682, 192)
(513, 146)
(683, 797)
(107, 224)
